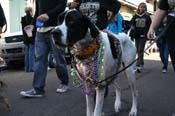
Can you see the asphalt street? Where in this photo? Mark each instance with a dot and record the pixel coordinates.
(156, 94)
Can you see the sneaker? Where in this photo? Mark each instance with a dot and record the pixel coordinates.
(62, 88)
(138, 69)
(164, 70)
(48, 68)
(31, 93)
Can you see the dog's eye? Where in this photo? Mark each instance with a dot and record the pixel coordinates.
(69, 22)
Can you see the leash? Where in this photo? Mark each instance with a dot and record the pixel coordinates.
(112, 77)
(109, 79)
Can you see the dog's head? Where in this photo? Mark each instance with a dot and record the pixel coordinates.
(73, 27)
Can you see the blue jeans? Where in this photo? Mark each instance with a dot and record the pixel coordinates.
(29, 58)
(43, 45)
(163, 51)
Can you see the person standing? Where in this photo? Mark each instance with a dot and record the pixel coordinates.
(115, 23)
(96, 10)
(165, 8)
(139, 25)
(46, 19)
(163, 46)
(28, 41)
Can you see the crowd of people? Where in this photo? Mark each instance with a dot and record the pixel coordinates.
(105, 15)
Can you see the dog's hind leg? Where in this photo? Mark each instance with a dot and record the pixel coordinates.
(117, 104)
(132, 83)
(7, 104)
(99, 101)
(90, 102)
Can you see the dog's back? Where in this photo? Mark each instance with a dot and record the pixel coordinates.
(128, 52)
(128, 48)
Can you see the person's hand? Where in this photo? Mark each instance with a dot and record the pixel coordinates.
(150, 34)
(28, 30)
(72, 4)
(43, 17)
(30, 26)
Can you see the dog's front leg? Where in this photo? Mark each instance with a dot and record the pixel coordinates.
(99, 101)
(90, 105)
(117, 104)
(132, 82)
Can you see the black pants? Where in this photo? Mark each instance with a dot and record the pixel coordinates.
(170, 34)
(140, 45)
(171, 48)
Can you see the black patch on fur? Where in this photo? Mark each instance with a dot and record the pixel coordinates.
(115, 46)
(78, 25)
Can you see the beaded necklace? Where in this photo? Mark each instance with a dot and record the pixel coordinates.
(94, 69)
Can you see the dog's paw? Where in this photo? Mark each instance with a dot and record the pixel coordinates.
(5, 105)
(117, 106)
(102, 114)
(8, 107)
(133, 112)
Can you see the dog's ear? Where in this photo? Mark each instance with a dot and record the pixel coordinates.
(61, 17)
(93, 28)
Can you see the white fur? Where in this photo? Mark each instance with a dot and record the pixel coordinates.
(108, 68)
(128, 55)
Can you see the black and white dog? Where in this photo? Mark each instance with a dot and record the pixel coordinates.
(93, 59)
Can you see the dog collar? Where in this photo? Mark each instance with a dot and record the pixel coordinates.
(89, 51)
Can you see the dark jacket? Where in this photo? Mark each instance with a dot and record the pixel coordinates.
(26, 20)
(2, 17)
(141, 24)
(91, 9)
(52, 8)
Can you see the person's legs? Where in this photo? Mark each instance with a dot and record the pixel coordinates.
(61, 65)
(163, 52)
(31, 57)
(40, 64)
(26, 62)
(159, 45)
(165, 55)
(140, 51)
(171, 43)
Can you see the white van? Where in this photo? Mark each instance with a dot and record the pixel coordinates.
(12, 47)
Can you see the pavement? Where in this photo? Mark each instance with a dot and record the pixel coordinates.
(156, 94)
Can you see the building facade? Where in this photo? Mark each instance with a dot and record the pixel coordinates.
(14, 10)
(129, 7)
